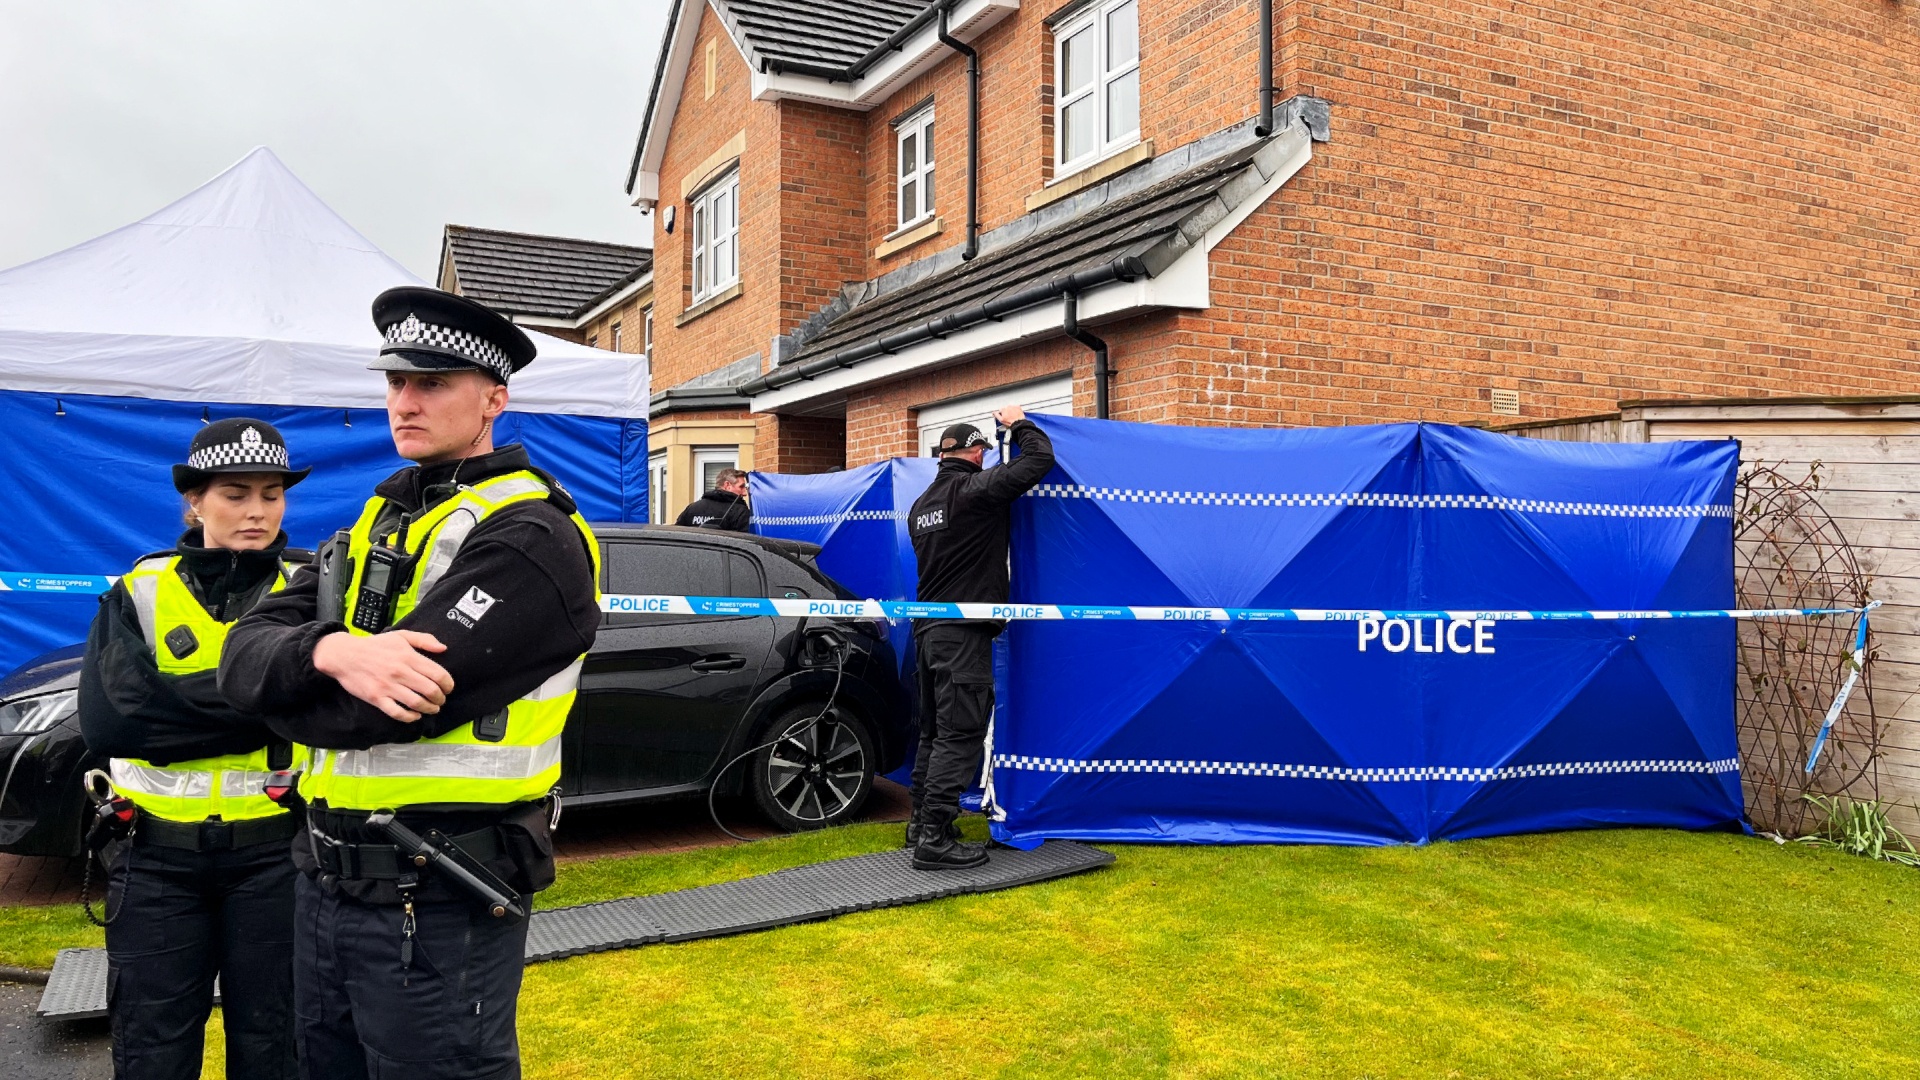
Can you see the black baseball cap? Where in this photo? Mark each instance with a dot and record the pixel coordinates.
(959, 437)
(239, 445)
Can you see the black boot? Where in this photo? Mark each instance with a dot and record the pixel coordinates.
(940, 847)
(915, 831)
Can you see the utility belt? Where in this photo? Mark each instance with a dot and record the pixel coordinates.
(213, 835)
(459, 860)
(351, 861)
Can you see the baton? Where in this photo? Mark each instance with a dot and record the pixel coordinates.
(500, 900)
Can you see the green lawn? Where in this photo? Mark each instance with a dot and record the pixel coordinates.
(1622, 953)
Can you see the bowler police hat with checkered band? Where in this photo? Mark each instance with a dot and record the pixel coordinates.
(429, 330)
(239, 445)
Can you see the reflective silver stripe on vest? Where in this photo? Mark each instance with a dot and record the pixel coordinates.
(163, 783)
(565, 681)
(452, 532)
(453, 761)
(145, 591)
(239, 783)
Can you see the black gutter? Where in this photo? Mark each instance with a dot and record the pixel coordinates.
(1101, 372)
(1265, 127)
(1125, 268)
(972, 247)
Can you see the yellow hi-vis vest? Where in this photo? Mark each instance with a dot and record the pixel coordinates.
(458, 767)
(228, 787)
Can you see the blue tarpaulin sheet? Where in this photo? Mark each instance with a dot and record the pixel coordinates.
(88, 478)
(1317, 732)
(859, 519)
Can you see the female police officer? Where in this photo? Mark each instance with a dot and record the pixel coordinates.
(204, 886)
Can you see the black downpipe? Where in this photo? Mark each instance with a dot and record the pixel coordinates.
(1265, 127)
(1101, 372)
(973, 132)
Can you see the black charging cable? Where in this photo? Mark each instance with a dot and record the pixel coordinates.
(841, 647)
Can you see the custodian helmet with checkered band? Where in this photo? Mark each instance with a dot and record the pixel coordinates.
(429, 330)
(239, 445)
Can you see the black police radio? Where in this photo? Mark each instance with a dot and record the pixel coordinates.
(385, 576)
(381, 581)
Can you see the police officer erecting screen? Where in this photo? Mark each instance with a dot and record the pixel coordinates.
(201, 885)
(725, 507)
(959, 529)
(430, 659)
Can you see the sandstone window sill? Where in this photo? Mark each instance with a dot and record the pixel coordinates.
(902, 239)
(1089, 175)
(730, 292)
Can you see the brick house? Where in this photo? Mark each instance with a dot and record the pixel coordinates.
(1445, 210)
(600, 295)
(587, 291)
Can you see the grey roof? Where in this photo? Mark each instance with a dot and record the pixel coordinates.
(713, 391)
(551, 276)
(839, 34)
(1135, 235)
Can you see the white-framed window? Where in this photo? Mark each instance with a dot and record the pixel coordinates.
(716, 236)
(1096, 64)
(657, 487)
(913, 157)
(1053, 396)
(616, 337)
(708, 461)
(646, 331)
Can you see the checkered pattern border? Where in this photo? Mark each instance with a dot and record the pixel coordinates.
(1411, 774)
(255, 451)
(833, 519)
(1377, 498)
(413, 331)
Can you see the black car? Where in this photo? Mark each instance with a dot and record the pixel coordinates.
(666, 701)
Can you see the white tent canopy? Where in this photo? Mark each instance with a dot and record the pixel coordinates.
(249, 290)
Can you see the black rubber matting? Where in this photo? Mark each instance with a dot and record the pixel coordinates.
(801, 894)
(77, 989)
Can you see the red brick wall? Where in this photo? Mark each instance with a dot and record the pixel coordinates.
(1583, 203)
(799, 444)
(823, 207)
(701, 126)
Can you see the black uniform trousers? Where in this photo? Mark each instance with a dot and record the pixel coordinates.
(362, 1011)
(955, 672)
(177, 918)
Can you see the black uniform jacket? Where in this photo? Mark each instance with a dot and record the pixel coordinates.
(534, 564)
(960, 525)
(128, 709)
(717, 510)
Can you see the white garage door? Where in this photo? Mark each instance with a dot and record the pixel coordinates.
(1049, 396)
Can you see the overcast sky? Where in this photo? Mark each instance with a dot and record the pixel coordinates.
(403, 115)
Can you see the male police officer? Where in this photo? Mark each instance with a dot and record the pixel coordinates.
(430, 658)
(959, 529)
(725, 507)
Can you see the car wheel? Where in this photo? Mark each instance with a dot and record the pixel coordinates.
(815, 774)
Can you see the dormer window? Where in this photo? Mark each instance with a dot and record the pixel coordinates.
(913, 142)
(1096, 68)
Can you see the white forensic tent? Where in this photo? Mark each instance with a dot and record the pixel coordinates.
(248, 297)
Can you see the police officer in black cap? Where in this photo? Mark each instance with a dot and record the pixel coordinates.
(960, 529)
(201, 885)
(430, 659)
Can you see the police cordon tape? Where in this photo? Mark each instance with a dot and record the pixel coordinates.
(1374, 624)
(648, 604)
